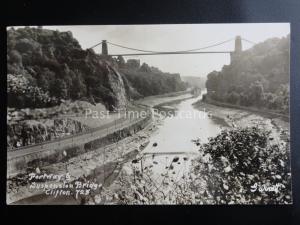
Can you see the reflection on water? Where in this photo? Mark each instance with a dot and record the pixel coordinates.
(174, 138)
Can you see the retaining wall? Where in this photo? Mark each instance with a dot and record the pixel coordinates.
(20, 164)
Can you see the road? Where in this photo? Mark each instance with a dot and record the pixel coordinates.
(98, 132)
(75, 140)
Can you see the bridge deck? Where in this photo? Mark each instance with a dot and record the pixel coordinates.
(172, 53)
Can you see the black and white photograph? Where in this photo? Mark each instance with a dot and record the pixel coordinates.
(165, 114)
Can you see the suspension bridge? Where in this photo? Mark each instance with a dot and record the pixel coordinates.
(142, 52)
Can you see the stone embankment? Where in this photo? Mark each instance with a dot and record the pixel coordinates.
(19, 161)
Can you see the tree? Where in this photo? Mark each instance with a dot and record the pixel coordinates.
(59, 89)
(43, 82)
(256, 93)
(233, 97)
(15, 57)
(121, 61)
(212, 82)
(78, 88)
(145, 68)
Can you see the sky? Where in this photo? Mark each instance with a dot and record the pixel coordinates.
(176, 38)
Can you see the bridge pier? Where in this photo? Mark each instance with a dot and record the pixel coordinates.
(237, 49)
(104, 48)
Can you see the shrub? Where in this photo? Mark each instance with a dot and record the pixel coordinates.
(226, 172)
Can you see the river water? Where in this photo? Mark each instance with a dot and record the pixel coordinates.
(172, 143)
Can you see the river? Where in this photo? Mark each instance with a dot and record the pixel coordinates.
(173, 141)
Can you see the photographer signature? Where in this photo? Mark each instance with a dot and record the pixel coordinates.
(266, 188)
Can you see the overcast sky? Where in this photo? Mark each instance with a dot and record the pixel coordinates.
(176, 38)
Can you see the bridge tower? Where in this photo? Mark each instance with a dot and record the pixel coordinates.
(238, 44)
(237, 49)
(104, 48)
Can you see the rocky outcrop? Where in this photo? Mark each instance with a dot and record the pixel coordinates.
(31, 132)
(117, 86)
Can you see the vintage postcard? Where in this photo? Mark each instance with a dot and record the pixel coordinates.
(149, 114)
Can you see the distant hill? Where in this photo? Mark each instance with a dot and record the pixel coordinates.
(195, 81)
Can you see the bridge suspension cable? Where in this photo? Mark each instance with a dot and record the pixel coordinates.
(151, 52)
(96, 45)
(251, 42)
(189, 50)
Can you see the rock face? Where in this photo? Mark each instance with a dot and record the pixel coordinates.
(52, 64)
(117, 86)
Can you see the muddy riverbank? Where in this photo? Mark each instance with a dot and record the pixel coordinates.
(231, 117)
(156, 101)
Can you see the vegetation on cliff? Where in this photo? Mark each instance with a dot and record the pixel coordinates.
(46, 67)
(148, 80)
(258, 77)
(54, 63)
